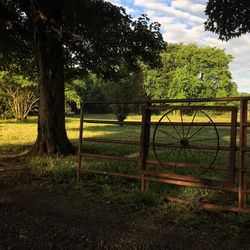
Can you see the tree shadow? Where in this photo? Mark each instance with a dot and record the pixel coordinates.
(29, 120)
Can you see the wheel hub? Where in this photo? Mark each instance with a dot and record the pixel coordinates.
(184, 142)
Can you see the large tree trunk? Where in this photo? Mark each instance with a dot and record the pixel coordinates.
(52, 137)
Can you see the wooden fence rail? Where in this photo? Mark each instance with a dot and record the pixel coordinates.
(236, 181)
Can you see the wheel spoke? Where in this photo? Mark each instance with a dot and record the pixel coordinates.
(206, 139)
(187, 145)
(191, 124)
(188, 169)
(173, 126)
(172, 151)
(197, 131)
(182, 124)
(193, 156)
(169, 153)
(167, 145)
(185, 155)
(178, 156)
(206, 155)
(169, 134)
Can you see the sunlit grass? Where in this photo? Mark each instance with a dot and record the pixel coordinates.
(19, 133)
(22, 133)
(16, 134)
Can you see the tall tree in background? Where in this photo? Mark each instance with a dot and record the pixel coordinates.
(70, 37)
(190, 72)
(20, 95)
(129, 86)
(228, 18)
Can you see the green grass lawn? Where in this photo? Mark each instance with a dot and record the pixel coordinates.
(18, 136)
(18, 133)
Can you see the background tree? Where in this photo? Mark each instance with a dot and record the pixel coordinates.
(128, 87)
(72, 100)
(20, 95)
(228, 18)
(71, 37)
(83, 89)
(5, 112)
(190, 72)
(246, 94)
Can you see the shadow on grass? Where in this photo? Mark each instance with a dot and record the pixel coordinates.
(29, 120)
(34, 120)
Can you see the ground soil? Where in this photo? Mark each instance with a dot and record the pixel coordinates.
(33, 216)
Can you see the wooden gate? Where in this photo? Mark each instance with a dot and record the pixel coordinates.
(175, 142)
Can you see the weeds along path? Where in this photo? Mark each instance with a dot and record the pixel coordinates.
(36, 214)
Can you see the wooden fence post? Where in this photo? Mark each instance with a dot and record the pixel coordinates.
(144, 144)
(80, 145)
(233, 137)
(243, 145)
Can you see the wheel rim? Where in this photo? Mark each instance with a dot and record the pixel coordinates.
(185, 143)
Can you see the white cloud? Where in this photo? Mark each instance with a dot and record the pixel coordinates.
(162, 8)
(188, 5)
(183, 21)
(129, 11)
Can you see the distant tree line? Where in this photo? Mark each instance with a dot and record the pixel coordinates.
(187, 71)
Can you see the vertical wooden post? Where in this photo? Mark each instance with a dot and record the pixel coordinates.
(243, 144)
(144, 147)
(232, 156)
(80, 145)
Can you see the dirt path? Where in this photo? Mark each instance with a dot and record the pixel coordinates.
(32, 217)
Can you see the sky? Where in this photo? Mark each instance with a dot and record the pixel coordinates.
(183, 21)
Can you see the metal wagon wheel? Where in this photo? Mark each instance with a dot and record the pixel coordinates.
(183, 142)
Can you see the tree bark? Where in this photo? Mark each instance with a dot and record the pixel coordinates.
(52, 138)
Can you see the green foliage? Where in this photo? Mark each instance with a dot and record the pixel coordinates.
(96, 36)
(244, 94)
(17, 94)
(69, 38)
(228, 18)
(190, 72)
(90, 88)
(5, 112)
(127, 88)
(71, 98)
(83, 89)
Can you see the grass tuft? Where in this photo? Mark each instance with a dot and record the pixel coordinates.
(56, 169)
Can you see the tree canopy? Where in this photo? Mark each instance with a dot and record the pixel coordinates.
(228, 18)
(61, 38)
(96, 35)
(190, 71)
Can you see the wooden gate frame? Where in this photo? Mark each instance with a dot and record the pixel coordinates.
(146, 176)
